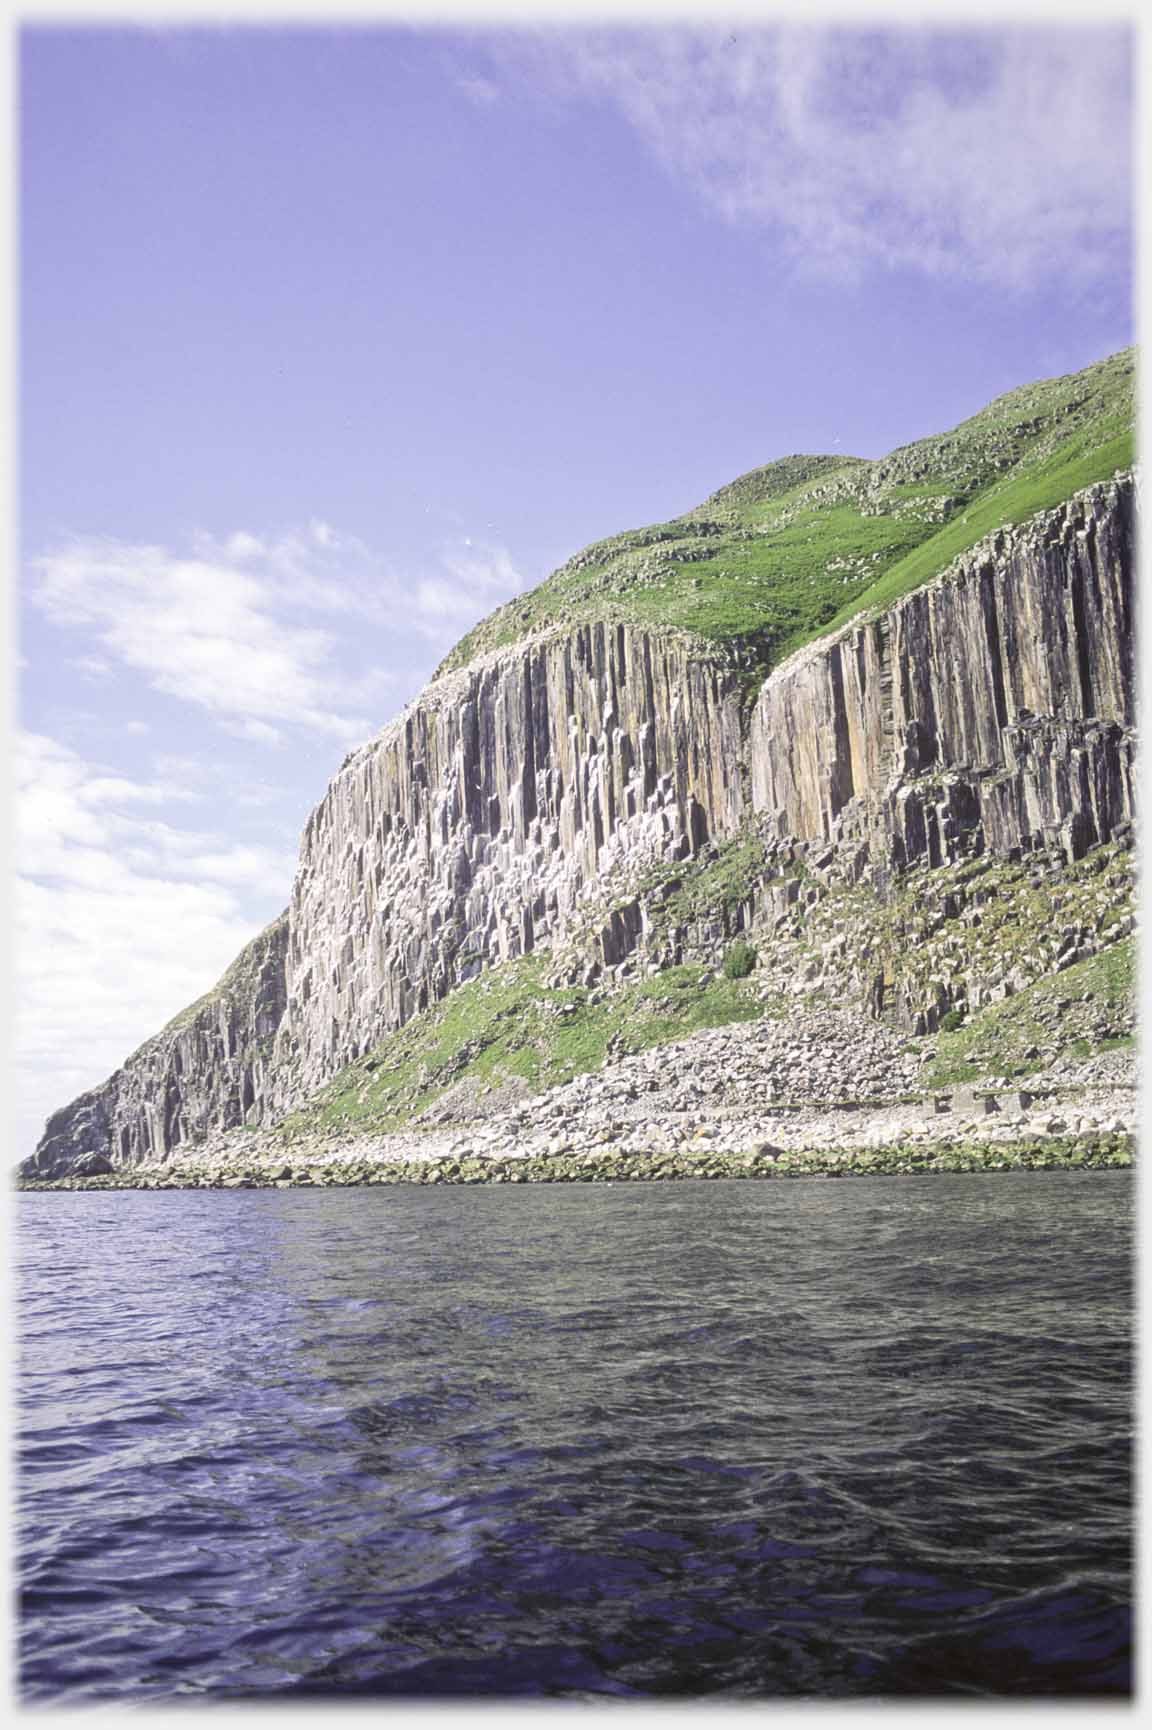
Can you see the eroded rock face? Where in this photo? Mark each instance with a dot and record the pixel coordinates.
(466, 832)
(998, 700)
(991, 709)
(207, 1071)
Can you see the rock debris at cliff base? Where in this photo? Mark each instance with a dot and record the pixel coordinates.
(815, 1092)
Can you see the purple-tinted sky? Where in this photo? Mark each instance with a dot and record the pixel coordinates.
(331, 340)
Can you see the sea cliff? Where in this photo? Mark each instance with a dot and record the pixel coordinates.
(523, 801)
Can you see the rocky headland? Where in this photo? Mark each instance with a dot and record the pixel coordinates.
(716, 856)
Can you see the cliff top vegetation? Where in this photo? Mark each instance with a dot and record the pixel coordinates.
(798, 548)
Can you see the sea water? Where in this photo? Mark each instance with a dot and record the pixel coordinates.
(868, 1437)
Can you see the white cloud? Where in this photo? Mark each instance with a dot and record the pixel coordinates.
(118, 789)
(474, 579)
(314, 568)
(204, 631)
(258, 867)
(242, 545)
(1000, 155)
(92, 666)
(126, 911)
(322, 570)
(266, 632)
(259, 731)
(72, 817)
(210, 777)
(121, 918)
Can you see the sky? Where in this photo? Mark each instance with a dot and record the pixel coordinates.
(333, 339)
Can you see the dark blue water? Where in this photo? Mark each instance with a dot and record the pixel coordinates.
(790, 1438)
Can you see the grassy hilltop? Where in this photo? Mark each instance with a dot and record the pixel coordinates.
(801, 546)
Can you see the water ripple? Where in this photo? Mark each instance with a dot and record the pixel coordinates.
(721, 1439)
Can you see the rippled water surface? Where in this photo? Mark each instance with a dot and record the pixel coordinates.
(868, 1437)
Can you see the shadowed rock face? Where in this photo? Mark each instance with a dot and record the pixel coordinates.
(992, 708)
(206, 1071)
(999, 697)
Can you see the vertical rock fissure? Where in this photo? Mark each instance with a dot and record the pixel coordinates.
(841, 786)
(882, 637)
(990, 610)
(1080, 632)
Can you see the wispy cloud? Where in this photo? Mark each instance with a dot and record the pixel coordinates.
(991, 154)
(67, 804)
(90, 666)
(474, 577)
(122, 915)
(135, 890)
(261, 630)
(208, 632)
(138, 887)
(322, 570)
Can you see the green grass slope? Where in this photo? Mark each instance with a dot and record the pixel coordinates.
(803, 545)
(1060, 1017)
(511, 1026)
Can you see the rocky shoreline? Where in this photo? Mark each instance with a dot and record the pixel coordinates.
(1052, 1153)
(959, 1147)
(821, 1093)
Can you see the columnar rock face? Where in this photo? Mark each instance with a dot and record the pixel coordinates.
(206, 1071)
(990, 709)
(465, 833)
(997, 699)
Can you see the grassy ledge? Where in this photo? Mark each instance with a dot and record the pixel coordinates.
(804, 545)
(508, 1026)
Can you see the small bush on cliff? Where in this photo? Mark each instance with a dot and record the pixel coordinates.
(740, 960)
(953, 1020)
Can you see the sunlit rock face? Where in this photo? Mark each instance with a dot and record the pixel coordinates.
(991, 709)
(998, 699)
(466, 832)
